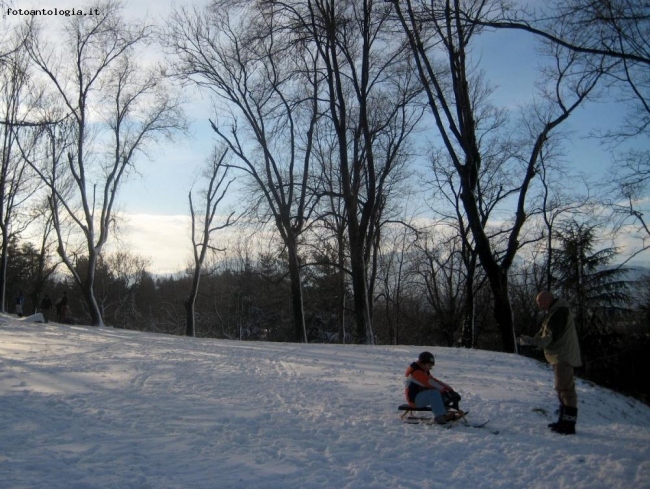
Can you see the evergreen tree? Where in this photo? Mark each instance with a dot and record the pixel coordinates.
(585, 277)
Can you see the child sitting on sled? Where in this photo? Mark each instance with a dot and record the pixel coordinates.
(423, 390)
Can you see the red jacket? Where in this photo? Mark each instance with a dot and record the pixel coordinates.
(417, 380)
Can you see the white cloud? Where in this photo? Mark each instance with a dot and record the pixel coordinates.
(164, 240)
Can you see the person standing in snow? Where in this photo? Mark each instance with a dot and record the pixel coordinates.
(62, 307)
(559, 340)
(20, 302)
(423, 390)
(46, 306)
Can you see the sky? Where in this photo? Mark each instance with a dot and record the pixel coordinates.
(154, 202)
(86, 408)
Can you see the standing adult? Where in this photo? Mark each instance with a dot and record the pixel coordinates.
(20, 304)
(62, 307)
(559, 340)
(46, 307)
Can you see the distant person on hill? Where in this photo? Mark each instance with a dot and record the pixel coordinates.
(62, 307)
(423, 390)
(20, 303)
(46, 307)
(559, 340)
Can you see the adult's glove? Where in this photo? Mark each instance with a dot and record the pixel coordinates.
(525, 340)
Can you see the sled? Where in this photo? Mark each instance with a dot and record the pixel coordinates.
(410, 416)
(453, 414)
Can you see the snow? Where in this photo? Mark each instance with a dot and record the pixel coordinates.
(85, 407)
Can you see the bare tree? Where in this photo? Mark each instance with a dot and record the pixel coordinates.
(449, 283)
(439, 35)
(558, 203)
(628, 192)
(269, 89)
(395, 270)
(201, 238)
(19, 98)
(448, 209)
(332, 218)
(47, 265)
(368, 100)
(116, 108)
(613, 35)
(353, 78)
(118, 277)
(12, 38)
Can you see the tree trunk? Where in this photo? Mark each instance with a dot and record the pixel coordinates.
(88, 291)
(341, 288)
(190, 327)
(190, 323)
(468, 336)
(4, 261)
(360, 288)
(296, 294)
(496, 274)
(503, 309)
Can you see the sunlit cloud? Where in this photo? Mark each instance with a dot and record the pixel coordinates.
(164, 240)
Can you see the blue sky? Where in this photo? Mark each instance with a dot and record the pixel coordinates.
(156, 200)
(509, 57)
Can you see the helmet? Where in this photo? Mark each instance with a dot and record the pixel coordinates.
(426, 357)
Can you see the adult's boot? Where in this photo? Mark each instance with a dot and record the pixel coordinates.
(559, 412)
(567, 425)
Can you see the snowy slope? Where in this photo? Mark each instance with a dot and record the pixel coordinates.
(85, 407)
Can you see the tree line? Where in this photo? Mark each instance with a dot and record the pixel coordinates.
(419, 299)
(333, 116)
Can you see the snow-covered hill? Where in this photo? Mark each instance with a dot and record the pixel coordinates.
(85, 407)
